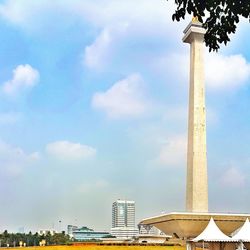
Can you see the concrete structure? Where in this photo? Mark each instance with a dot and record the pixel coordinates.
(124, 232)
(86, 234)
(123, 219)
(149, 229)
(191, 223)
(70, 229)
(151, 239)
(123, 213)
(151, 235)
(116, 241)
(197, 189)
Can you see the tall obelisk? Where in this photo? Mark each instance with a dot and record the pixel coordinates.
(197, 188)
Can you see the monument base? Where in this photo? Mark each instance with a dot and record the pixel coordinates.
(189, 225)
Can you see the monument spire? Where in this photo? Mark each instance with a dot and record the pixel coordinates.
(197, 188)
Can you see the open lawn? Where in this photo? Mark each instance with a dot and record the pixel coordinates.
(97, 247)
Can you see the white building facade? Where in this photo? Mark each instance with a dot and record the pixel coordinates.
(123, 219)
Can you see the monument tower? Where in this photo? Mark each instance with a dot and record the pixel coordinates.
(189, 224)
(197, 187)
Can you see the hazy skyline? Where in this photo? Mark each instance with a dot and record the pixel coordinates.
(93, 108)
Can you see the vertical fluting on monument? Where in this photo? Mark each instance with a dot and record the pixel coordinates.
(197, 187)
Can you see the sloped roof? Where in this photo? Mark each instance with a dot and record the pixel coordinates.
(244, 232)
(212, 234)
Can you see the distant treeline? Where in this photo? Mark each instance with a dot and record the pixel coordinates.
(15, 239)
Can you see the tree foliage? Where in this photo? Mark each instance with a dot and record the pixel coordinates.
(219, 17)
(13, 239)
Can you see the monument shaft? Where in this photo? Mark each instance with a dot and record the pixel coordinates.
(190, 224)
(197, 187)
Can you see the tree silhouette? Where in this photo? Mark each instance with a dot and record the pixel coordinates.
(219, 17)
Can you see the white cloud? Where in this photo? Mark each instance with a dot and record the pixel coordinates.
(24, 77)
(134, 20)
(172, 66)
(140, 20)
(65, 150)
(14, 159)
(124, 99)
(143, 13)
(99, 53)
(13, 12)
(173, 152)
(234, 178)
(226, 72)
(9, 118)
(221, 72)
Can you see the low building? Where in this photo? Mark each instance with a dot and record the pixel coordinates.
(117, 241)
(86, 234)
(151, 239)
(149, 229)
(124, 232)
(150, 235)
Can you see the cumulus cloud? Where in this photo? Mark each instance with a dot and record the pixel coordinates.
(234, 178)
(173, 152)
(124, 99)
(14, 159)
(226, 72)
(221, 72)
(65, 150)
(24, 77)
(142, 19)
(172, 66)
(143, 13)
(99, 53)
(136, 20)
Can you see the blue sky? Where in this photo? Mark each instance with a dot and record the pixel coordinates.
(93, 108)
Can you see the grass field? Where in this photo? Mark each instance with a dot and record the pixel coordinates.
(97, 247)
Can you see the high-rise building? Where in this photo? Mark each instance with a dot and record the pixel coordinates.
(123, 213)
(123, 219)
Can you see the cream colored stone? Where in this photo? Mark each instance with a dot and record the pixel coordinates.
(190, 225)
(197, 187)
